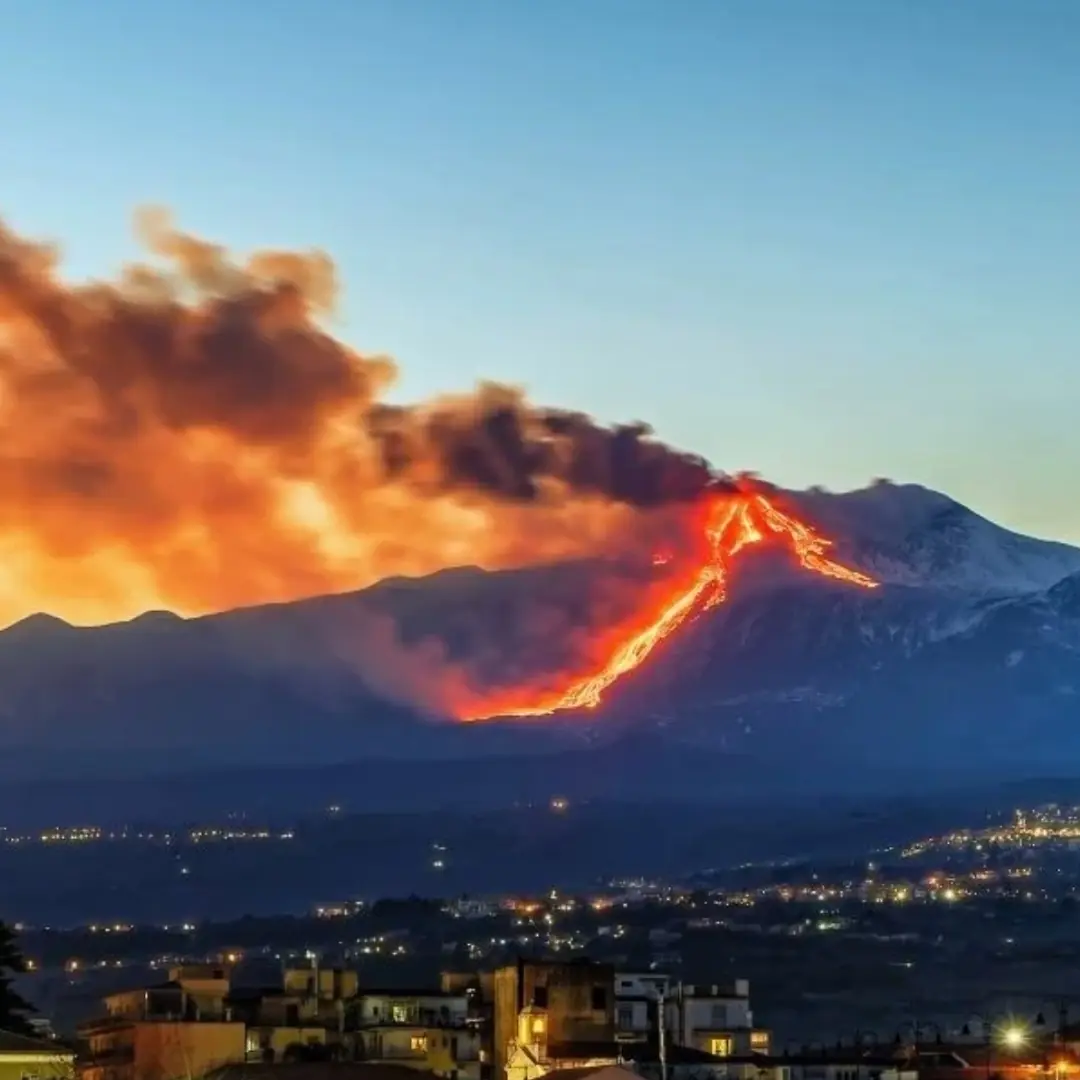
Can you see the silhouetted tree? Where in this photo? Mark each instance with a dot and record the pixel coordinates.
(13, 1008)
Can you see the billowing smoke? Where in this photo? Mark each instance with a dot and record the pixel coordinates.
(191, 437)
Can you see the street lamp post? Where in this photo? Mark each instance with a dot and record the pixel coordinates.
(1013, 1036)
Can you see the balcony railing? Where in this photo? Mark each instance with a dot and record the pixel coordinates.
(115, 1022)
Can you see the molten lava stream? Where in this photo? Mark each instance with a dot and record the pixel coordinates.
(733, 523)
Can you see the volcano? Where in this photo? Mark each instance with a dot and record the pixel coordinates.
(938, 641)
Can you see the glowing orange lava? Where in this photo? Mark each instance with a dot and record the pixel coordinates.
(733, 523)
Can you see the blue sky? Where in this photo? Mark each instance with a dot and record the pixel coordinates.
(823, 240)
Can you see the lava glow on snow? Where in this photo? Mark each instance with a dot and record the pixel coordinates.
(732, 524)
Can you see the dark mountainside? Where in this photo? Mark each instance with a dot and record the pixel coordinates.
(966, 662)
(333, 856)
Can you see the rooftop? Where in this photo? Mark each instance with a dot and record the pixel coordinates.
(578, 1073)
(582, 1050)
(319, 1070)
(10, 1043)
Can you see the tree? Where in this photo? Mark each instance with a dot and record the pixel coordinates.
(13, 1008)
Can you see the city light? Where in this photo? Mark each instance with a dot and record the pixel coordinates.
(1013, 1037)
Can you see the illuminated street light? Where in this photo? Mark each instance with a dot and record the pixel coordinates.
(1014, 1037)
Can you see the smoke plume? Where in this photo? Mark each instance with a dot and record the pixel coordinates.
(190, 436)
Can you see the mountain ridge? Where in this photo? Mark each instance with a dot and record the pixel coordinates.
(790, 665)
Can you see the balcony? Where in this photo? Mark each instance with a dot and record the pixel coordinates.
(101, 1025)
(112, 1057)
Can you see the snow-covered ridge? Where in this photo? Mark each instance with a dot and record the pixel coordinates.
(908, 535)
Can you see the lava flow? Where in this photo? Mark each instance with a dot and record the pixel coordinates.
(733, 523)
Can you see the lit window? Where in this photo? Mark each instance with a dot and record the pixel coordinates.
(721, 1046)
(538, 1025)
(418, 1042)
(399, 1014)
(759, 1040)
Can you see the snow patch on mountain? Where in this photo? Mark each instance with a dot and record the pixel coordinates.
(905, 534)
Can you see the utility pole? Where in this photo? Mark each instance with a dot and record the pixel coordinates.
(662, 1014)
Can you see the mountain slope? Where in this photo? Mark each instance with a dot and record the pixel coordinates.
(908, 535)
(970, 647)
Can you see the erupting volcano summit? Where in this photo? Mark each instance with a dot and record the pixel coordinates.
(732, 524)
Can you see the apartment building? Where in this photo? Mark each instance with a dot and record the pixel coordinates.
(170, 1031)
(574, 1002)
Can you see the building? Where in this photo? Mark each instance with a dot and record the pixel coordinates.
(316, 1070)
(455, 1055)
(479, 987)
(171, 1031)
(196, 1023)
(471, 908)
(428, 1029)
(576, 1000)
(311, 1008)
(715, 1019)
(686, 1063)
(322, 1012)
(425, 1007)
(844, 1064)
(583, 1014)
(23, 1058)
(532, 1053)
(321, 983)
(636, 1002)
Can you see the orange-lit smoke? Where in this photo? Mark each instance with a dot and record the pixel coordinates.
(191, 437)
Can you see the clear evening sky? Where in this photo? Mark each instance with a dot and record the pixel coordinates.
(823, 240)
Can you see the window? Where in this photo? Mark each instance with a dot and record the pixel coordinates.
(399, 1014)
(719, 1015)
(538, 1025)
(626, 1017)
(720, 1046)
(418, 1042)
(759, 1040)
(599, 998)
